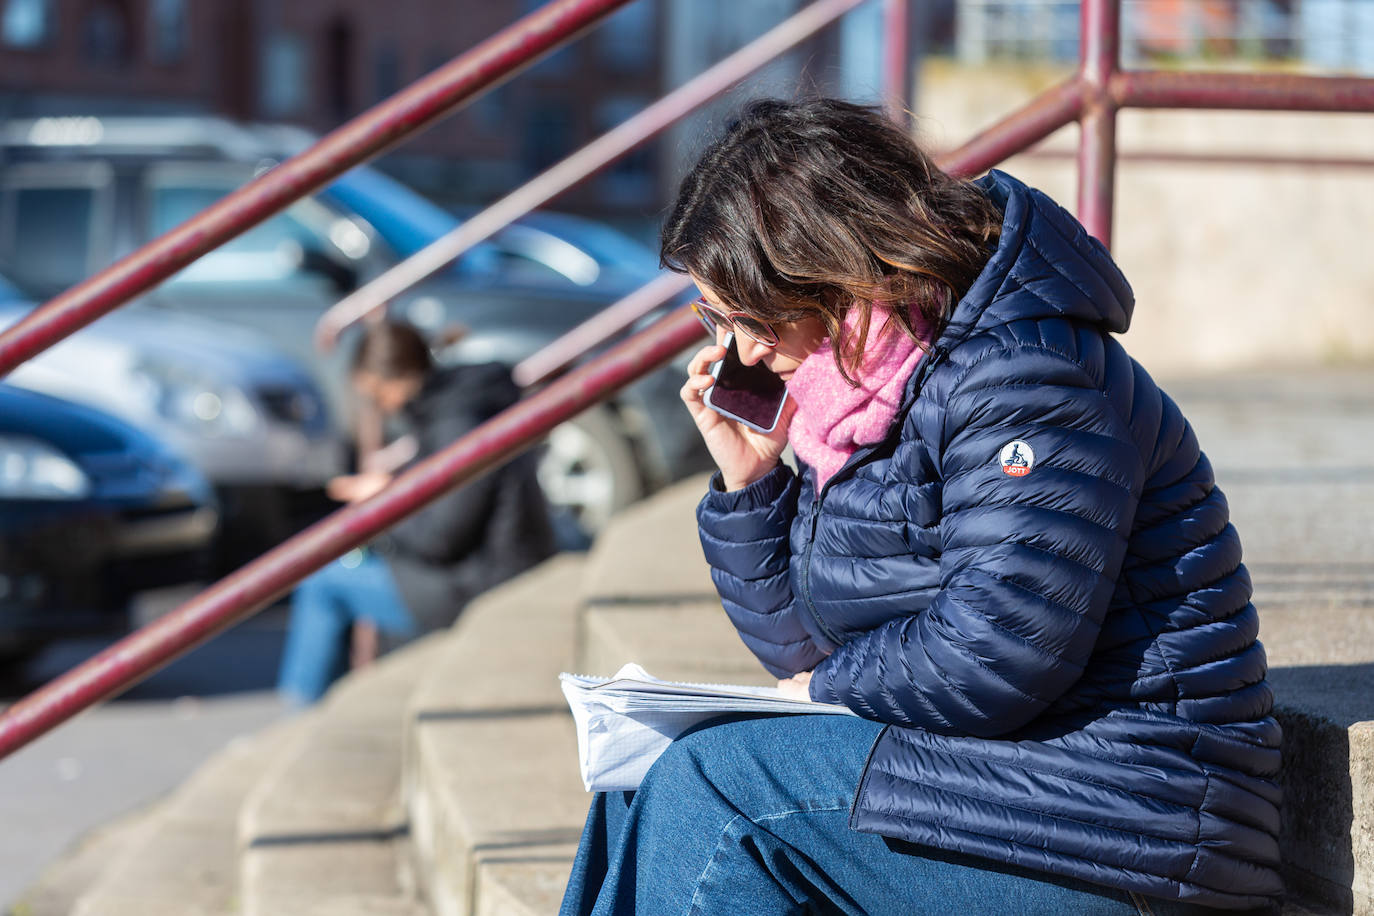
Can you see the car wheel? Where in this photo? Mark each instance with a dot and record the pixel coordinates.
(589, 472)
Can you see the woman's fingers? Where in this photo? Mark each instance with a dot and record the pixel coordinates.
(691, 394)
(700, 363)
(699, 379)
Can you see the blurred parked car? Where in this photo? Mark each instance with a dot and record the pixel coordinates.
(89, 190)
(251, 419)
(92, 511)
(582, 250)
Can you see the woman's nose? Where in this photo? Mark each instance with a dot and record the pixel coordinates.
(750, 350)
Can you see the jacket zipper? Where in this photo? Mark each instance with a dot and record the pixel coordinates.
(927, 367)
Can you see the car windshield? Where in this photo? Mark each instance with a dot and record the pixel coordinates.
(11, 291)
(608, 245)
(406, 221)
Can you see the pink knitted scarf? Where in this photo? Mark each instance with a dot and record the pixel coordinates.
(834, 419)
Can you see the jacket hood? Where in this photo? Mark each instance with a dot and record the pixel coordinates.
(1046, 266)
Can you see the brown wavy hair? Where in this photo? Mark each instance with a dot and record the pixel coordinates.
(812, 208)
(391, 350)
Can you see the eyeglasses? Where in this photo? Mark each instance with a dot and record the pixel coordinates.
(712, 318)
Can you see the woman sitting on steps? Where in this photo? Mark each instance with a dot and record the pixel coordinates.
(1003, 550)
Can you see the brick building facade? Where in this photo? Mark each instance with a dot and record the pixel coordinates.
(318, 62)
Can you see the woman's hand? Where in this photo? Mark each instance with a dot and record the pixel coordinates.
(354, 488)
(742, 454)
(391, 458)
(797, 687)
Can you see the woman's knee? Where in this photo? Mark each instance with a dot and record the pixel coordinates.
(755, 763)
(323, 583)
(713, 758)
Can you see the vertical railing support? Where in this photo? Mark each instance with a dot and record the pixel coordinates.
(1100, 58)
(896, 58)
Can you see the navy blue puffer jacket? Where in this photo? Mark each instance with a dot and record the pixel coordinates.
(1066, 655)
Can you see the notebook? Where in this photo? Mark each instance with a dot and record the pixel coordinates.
(624, 722)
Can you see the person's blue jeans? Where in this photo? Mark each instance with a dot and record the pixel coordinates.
(750, 817)
(357, 586)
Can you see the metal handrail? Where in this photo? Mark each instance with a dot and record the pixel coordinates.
(245, 592)
(406, 113)
(604, 326)
(1093, 97)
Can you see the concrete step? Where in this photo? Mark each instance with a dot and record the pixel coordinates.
(181, 859)
(648, 598)
(1322, 669)
(323, 831)
(496, 805)
(650, 553)
(66, 880)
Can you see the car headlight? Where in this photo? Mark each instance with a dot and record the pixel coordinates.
(31, 469)
(185, 396)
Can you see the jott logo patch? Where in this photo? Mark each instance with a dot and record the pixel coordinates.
(1017, 458)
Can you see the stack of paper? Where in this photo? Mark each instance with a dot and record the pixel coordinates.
(625, 722)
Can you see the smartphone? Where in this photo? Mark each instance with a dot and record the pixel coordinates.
(751, 395)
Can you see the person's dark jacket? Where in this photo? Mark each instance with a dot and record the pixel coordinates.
(480, 534)
(1067, 658)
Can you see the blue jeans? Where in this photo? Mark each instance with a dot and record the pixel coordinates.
(357, 586)
(750, 816)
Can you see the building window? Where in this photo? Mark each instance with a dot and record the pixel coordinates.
(559, 63)
(625, 42)
(548, 134)
(387, 71)
(338, 69)
(168, 28)
(491, 111)
(27, 23)
(630, 181)
(54, 250)
(284, 76)
(106, 38)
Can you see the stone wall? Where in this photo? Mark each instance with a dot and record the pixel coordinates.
(1233, 265)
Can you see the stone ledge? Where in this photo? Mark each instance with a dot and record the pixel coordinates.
(692, 641)
(651, 552)
(495, 802)
(184, 861)
(1321, 666)
(325, 825)
(63, 883)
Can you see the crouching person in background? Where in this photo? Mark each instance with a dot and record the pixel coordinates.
(417, 576)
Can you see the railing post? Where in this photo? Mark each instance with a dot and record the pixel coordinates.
(896, 58)
(1100, 59)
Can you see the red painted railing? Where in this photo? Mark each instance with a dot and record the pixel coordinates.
(1092, 97)
(251, 588)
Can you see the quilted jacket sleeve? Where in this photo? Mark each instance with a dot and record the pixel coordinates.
(744, 535)
(1029, 563)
